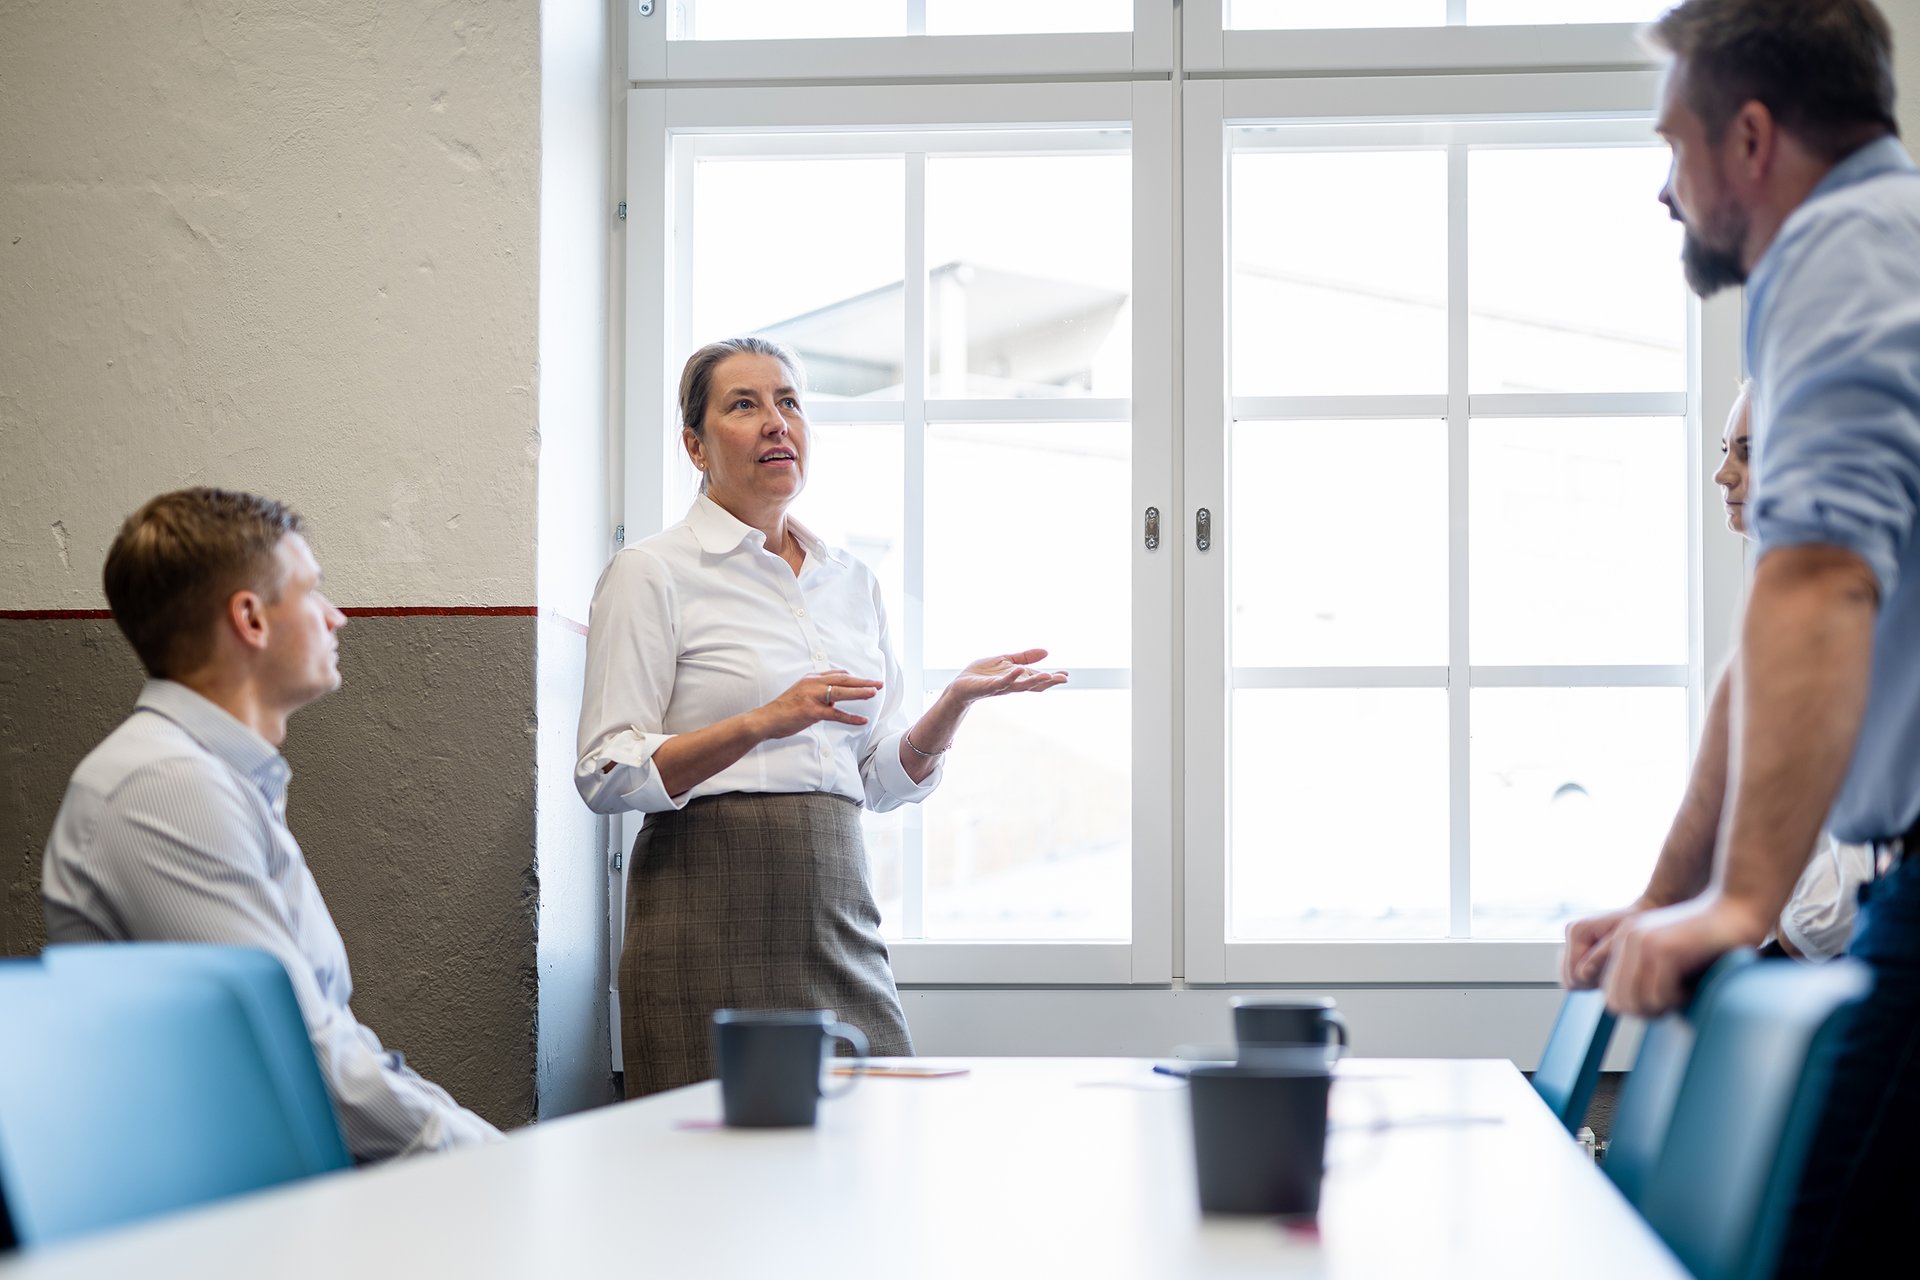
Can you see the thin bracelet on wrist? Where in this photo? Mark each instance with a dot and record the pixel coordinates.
(906, 736)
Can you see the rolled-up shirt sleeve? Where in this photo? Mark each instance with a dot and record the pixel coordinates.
(885, 779)
(182, 856)
(632, 650)
(1839, 408)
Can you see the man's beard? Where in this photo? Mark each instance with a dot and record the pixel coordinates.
(1710, 269)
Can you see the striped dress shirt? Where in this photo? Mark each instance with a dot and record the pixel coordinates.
(174, 830)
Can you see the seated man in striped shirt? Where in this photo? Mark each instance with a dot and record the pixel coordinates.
(174, 828)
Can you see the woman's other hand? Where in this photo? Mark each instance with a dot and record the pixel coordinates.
(812, 699)
(1004, 673)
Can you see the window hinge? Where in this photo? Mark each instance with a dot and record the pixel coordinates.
(619, 535)
(622, 211)
(617, 859)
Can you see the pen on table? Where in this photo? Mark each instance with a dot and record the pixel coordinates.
(1176, 1072)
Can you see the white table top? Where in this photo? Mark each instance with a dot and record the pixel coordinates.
(1024, 1166)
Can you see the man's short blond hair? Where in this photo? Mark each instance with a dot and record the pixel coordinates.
(179, 559)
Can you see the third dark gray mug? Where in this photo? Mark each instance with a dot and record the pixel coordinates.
(1267, 1024)
(770, 1063)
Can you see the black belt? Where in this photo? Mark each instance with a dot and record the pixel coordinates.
(1890, 851)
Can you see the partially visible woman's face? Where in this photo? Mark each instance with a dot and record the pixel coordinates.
(1734, 459)
(755, 447)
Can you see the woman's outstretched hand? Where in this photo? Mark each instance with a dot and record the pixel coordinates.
(1004, 673)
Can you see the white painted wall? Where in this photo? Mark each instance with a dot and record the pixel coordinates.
(577, 227)
(279, 246)
(1387, 1022)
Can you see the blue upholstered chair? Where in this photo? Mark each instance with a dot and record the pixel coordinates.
(1570, 1064)
(137, 1080)
(1721, 1192)
(1645, 1106)
(261, 984)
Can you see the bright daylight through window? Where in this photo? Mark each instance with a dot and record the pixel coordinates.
(1025, 283)
(1420, 342)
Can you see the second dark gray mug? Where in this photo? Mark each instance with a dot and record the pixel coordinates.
(1288, 1024)
(770, 1063)
(1259, 1137)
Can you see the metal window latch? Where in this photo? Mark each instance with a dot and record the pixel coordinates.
(1203, 529)
(1152, 538)
(622, 211)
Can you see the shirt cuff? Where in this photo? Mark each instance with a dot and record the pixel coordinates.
(1777, 526)
(893, 777)
(633, 778)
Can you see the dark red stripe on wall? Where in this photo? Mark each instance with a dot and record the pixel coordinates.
(54, 615)
(444, 611)
(366, 611)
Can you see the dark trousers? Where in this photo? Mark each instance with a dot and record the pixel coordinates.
(1858, 1196)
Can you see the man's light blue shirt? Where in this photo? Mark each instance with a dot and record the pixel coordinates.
(174, 829)
(1833, 341)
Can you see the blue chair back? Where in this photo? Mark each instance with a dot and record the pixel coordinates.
(1570, 1064)
(128, 1091)
(259, 982)
(1645, 1107)
(1725, 1183)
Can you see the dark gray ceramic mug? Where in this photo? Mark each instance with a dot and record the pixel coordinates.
(770, 1064)
(1288, 1024)
(1259, 1137)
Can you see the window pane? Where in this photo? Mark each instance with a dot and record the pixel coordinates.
(804, 19)
(790, 19)
(1572, 793)
(1336, 534)
(1339, 272)
(1577, 541)
(1029, 542)
(1574, 279)
(1296, 14)
(1029, 276)
(1536, 12)
(990, 17)
(854, 500)
(824, 276)
(1029, 835)
(1313, 772)
(885, 834)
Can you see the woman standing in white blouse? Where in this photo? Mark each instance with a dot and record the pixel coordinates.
(1817, 921)
(741, 691)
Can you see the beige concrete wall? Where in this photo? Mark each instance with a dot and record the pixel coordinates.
(293, 247)
(280, 245)
(1905, 17)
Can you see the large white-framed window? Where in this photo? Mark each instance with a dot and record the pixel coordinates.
(1455, 599)
(1408, 687)
(991, 406)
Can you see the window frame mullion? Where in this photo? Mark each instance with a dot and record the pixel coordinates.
(1459, 628)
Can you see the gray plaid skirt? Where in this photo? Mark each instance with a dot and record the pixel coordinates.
(748, 901)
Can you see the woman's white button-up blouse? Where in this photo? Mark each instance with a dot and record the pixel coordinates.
(701, 622)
